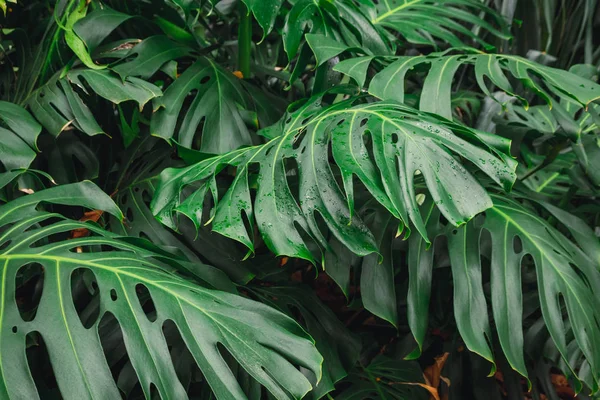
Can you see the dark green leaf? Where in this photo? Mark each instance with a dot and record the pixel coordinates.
(266, 343)
(17, 143)
(405, 143)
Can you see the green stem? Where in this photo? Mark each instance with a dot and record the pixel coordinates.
(244, 40)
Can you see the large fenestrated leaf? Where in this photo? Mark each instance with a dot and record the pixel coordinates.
(429, 22)
(555, 179)
(568, 147)
(145, 58)
(567, 279)
(384, 144)
(57, 104)
(266, 343)
(219, 107)
(388, 84)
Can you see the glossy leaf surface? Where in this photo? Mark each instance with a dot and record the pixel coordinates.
(405, 143)
(260, 338)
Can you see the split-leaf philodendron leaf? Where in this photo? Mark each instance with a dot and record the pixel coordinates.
(386, 145)
(567, 280)
(389, 83)
(266, 343)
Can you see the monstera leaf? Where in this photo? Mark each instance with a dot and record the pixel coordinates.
(264, 11)
(567, 280)
(340, 348)
(428, 22)
(386, 145)
(145, 160)
(375, 272)
(388, 84)
(364, 24)
(57, 104)
(266, 343)
(221, 106)
(579, 124)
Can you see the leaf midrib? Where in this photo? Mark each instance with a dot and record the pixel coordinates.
(394, 10)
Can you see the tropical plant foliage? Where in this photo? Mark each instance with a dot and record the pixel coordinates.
(349, 199)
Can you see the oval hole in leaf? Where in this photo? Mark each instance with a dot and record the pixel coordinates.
(5, 245)
(291, 175)
(154, 393)
(517, 244)
(145, 299)
(185, 365)
(85, 296)
(129, 213)
(299, 138)
(29, 288)
(40, 366)
(367, 142)
(113, 346)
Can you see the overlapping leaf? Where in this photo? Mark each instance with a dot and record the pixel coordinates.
(339, 347)
(567, 278)
(555, 179)
(429, 22)
(18, 136)
(404, 143)
(580, 125)
(219, 106)
(266, 343)
(57, 104)
(339, 20)
(145, 161)
(377, 286)
(388, 84)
